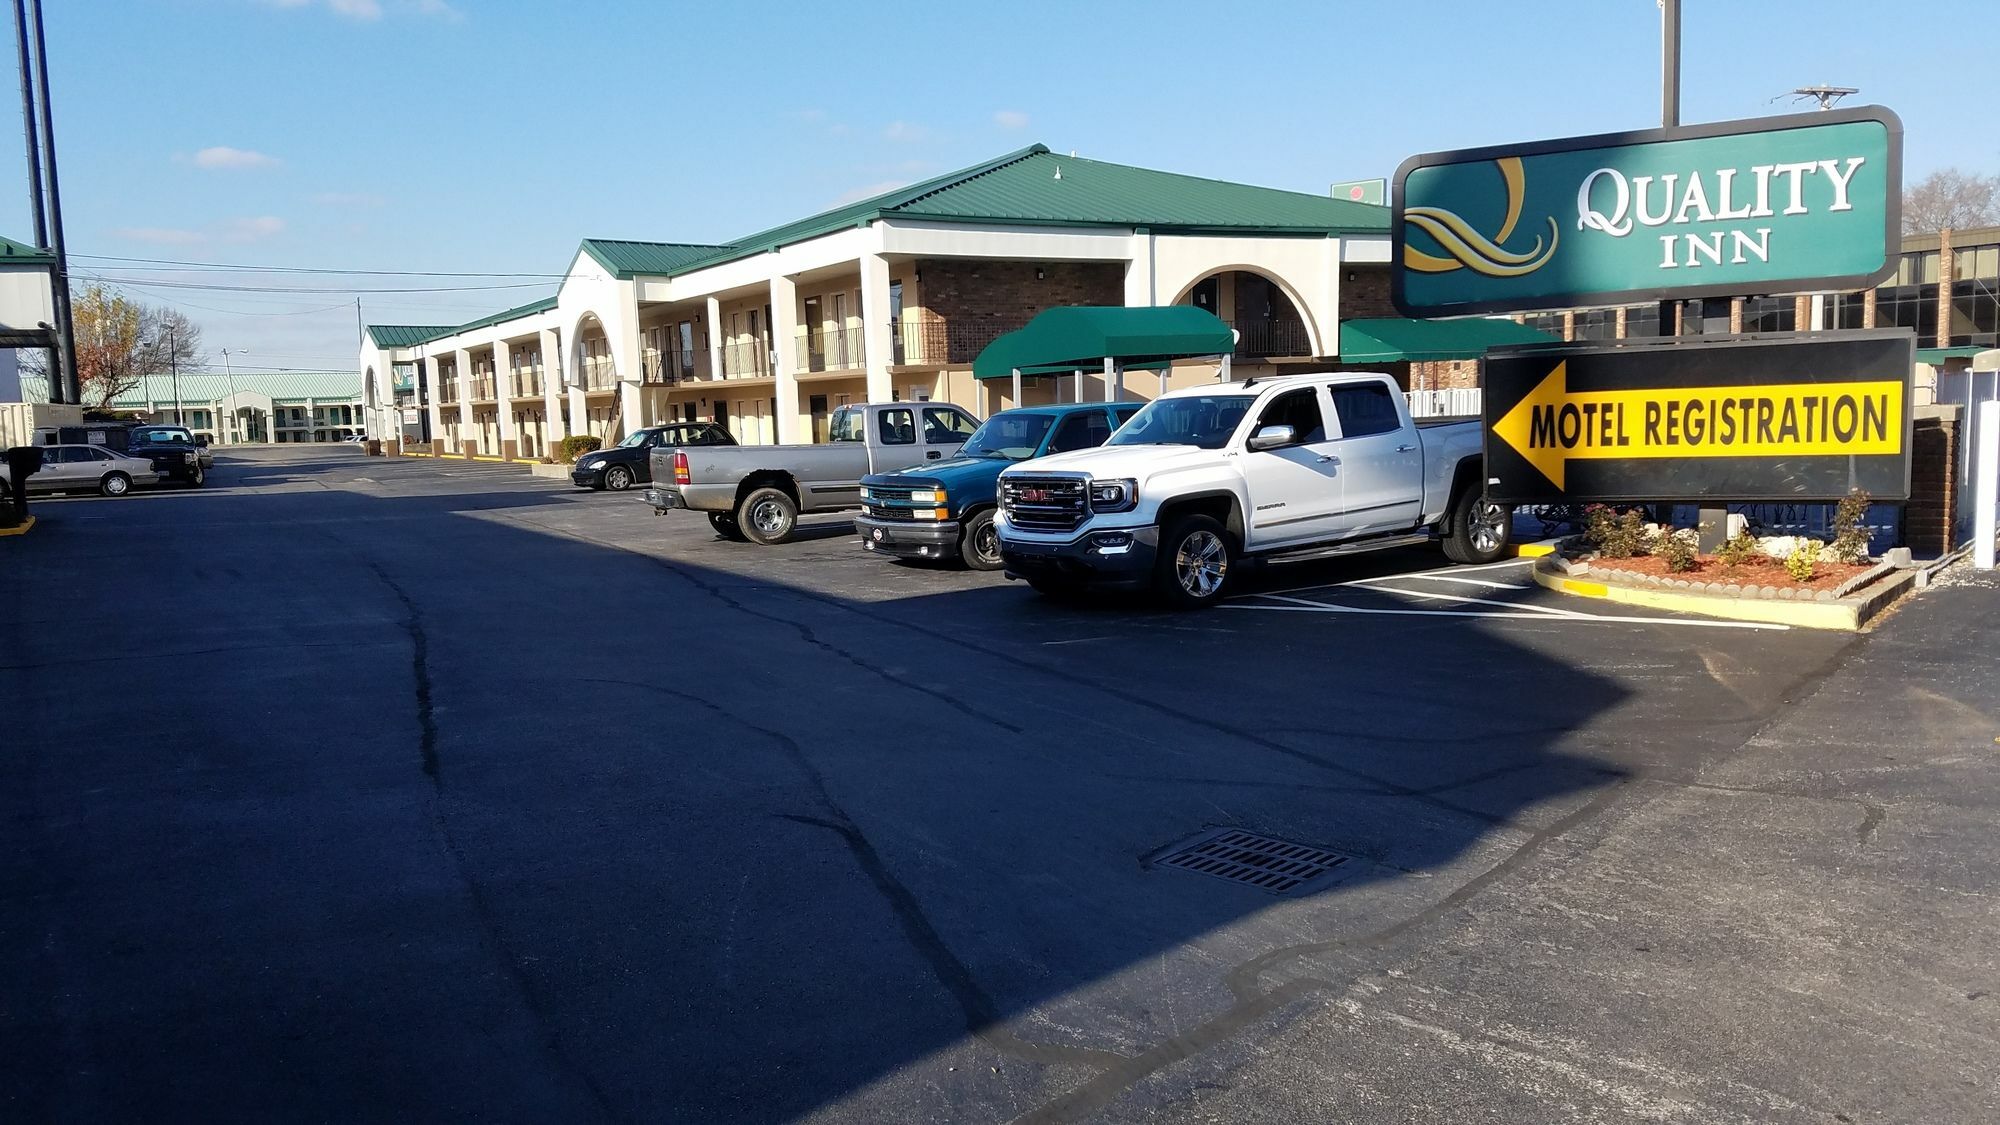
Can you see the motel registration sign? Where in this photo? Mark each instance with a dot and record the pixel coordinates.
(1804, 202)
(1743, 420)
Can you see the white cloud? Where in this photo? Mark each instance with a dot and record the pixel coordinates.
(1010, 119)
(906, 132)
(348, 199)
(159, 236)
(222, 156)
(357, 9)
(439, 9)
(371, 10)
(251, 229)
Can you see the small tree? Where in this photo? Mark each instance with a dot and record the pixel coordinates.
(119, 341)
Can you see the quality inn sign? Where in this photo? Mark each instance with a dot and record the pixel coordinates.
(1772, 205)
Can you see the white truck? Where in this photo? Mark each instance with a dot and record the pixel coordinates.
(1279, 469)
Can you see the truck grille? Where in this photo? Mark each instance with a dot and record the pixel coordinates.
(1044, 503)
(888, 504)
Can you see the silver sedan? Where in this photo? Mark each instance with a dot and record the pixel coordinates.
(87, 468)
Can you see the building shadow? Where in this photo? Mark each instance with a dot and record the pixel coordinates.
(484, 821)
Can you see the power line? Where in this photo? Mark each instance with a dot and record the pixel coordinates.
(332, 290)
(166, 263)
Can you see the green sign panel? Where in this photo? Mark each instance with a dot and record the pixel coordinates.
(1773, 205)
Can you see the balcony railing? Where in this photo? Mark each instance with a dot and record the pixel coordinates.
(524, 382)
(448, 391)
(673, 366)
(598, 373)
(1268, 336)
(831, 351)
(482, 388)
(747, 360)
(934, 341)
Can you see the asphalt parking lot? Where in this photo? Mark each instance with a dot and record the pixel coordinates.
(355, 789)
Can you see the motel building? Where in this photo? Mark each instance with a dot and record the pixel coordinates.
(892, 297)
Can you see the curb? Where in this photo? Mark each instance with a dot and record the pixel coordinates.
(1844, 616)
(1533, 550)
(26, 525)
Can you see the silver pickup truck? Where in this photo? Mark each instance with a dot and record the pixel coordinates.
(756, 492)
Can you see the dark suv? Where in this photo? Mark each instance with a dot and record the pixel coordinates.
(624, 464)
(173, 450)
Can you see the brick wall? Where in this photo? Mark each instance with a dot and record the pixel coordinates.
(1444, 374)
(1933, 508)
(1367, 295)
(971, 294)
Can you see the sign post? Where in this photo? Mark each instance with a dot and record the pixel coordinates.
(1760, 420)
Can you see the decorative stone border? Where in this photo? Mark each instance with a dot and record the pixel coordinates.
(1846, 607)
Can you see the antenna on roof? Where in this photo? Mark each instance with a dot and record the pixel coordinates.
(1072, 154)
(1058, 171)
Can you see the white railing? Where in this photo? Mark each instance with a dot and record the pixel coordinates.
(1450, 402)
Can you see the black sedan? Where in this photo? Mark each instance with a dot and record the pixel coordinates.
(625, 464)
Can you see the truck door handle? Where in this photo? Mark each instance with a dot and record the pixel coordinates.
(1404, 448)
(932, 455)
(1329, 460)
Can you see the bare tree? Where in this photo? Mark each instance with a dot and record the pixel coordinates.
(1951, 198)
(119, 341)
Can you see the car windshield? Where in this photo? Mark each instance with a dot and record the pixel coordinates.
(163, 437)
(1200, 420)
(637, 437)
(1014, 436)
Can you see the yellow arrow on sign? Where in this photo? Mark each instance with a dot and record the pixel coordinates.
(1552, 427)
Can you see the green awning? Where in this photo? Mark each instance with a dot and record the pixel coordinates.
(1394, 340)
(1935, 356)
(1073, 337)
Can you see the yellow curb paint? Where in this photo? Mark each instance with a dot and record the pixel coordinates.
(1802, 615)
(1533, 550)
(21, 529)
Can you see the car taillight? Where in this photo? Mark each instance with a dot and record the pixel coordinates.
(681, 469)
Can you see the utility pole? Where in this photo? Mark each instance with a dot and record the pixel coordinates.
(53, 361)
(1670, 108)
(231, 372)
(65, 324)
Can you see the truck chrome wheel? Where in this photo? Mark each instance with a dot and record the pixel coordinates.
(768, 517)
(1489, 526)
(1201, 563)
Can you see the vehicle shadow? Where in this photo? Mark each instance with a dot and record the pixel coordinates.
(602, 833)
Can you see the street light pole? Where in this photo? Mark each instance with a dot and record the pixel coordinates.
(65, 324)
(231, 372)
(174, 364)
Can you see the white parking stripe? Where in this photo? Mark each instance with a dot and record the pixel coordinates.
(1435, 596)
(1436, 577)
(1301, 605)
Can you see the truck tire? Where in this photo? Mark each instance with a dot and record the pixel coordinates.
(1193, 566)
(115, 484)
(617, 478)
(197, 477)
(1477, 530)
(767, 516)
(979, 543)
(726, 526)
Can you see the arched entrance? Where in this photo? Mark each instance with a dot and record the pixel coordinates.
(1264, 314)
(594, 371)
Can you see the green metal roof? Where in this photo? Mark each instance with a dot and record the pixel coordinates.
(1935, 356)
(14, 253)
(657, 259)
(1082, 336)
(1035, 187)
(327, 386)
(1394, 340)
(405, 335)
(515, 313)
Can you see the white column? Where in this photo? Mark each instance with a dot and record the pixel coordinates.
(504, 393)
(1110, 380)
(784, 334)
(713, 324)
(1985, 482)
(622, 334)
(571, 362)
(1227, 374)
(1139, 291)
(878, 340)
(435, 387)
(1017, 387)
(552, 382)
(461, 362)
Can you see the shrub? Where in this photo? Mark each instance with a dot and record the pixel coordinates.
(1803, 563)
(1850, 538)
(1738, 550)
(576, 446)
(1614, 535)
(1676, 549)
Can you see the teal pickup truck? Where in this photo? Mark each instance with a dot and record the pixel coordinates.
(944, 510)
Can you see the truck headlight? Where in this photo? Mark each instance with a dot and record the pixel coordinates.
(927, 496)
(1114, 495)
(864, 492)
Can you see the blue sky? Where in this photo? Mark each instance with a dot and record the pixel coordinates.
(489, 136)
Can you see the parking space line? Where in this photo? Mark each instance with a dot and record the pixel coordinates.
(1433, 576)
(1436, 596)
(1514, 613)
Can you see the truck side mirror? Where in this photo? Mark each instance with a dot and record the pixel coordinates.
(201, 440)
(1272, 437)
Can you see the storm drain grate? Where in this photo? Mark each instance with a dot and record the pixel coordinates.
(1264, 862)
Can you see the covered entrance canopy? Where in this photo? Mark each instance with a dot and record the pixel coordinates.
(1395, 340)
(1115, 338)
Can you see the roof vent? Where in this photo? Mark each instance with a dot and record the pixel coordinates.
(1058, 171)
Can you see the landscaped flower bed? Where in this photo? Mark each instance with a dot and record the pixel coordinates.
(1708, 570)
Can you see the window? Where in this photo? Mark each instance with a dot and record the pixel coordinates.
(1298, 409)
(1366, 409)
(1123, 414)
(1085, 429)
(897, 427)
(946, 427)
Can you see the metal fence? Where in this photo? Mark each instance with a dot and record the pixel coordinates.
(1450, 402)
